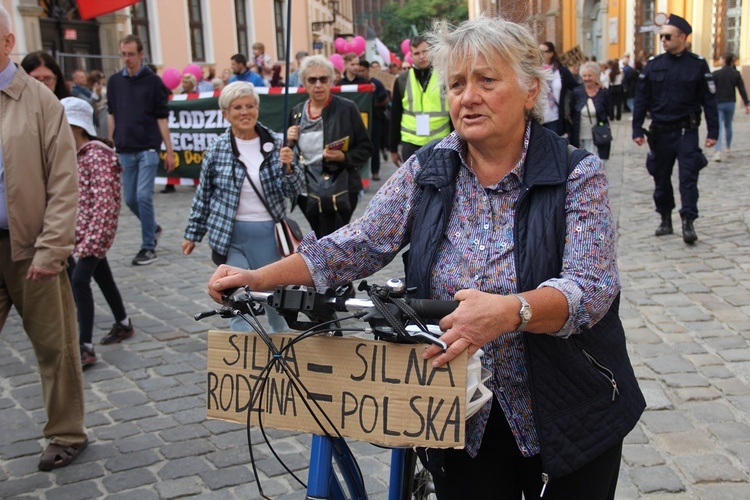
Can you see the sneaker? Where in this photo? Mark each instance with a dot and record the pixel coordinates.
(157, 236)
(88, 357)
(717, 156)
(376, 177)
(118, 333)
(145, 257)
(727, 153)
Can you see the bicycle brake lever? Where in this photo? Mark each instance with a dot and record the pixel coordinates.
(427, 338)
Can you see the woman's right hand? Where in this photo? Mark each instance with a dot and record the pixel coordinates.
(228, 277)
(292, 134)
(187, 247)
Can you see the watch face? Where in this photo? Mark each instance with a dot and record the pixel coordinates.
(526, 314)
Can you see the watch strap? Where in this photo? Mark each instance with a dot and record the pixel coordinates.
(524, 313)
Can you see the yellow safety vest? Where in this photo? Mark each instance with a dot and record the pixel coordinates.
(415, 102)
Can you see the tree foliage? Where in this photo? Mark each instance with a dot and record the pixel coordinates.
(400, 22)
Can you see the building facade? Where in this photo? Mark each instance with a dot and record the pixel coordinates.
(177, 32)
(607, 29)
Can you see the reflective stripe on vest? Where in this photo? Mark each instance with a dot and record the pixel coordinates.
(418, 102)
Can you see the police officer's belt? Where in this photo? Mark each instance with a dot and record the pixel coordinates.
(689, 123)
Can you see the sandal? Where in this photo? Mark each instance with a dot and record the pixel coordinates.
(56, 455)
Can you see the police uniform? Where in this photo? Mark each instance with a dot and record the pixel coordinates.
(673, 88)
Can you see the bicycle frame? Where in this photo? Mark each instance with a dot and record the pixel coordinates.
(323, 483)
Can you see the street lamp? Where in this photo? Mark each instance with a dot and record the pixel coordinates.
(319, 25)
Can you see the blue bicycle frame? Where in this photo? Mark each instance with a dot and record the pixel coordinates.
(322, 482)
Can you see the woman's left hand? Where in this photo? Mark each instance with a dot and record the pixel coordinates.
(477, 320)
(334, 155)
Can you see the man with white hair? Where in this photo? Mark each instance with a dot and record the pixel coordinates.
(38, 202)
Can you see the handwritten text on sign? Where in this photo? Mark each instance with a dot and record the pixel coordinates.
(378, 392)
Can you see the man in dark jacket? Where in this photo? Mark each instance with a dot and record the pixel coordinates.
(138, 113)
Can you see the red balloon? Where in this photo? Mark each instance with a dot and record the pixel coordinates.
(337, 61)
(340, 45)
(358, 45)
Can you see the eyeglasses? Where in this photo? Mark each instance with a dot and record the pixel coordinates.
(312, 80)
(665, 36)
(47, 80)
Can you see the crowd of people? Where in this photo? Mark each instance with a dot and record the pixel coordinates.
(498, 211)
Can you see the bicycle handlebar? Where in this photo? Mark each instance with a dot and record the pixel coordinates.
(388, 311)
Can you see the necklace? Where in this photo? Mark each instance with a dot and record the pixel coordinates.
(309, 108)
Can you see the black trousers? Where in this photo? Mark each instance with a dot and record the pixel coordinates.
(500, 472)
(682, 146)
(81, 274)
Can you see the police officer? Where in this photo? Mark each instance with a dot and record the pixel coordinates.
(673, 86)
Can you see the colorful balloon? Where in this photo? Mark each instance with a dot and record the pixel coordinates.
(337, 61)
(405, 46)
(340, 45)
(171, 78)
(408, 58)
(194, 70)
(358, 45)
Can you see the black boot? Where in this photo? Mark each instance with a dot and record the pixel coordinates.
(666, 225)
(688, 232)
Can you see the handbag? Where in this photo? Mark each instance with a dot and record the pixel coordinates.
(600, 133)
(287, 231)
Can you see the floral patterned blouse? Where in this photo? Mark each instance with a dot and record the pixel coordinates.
(99, 196)
(477, 252)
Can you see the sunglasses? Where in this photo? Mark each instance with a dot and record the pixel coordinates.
(312, 80)
(665, 36)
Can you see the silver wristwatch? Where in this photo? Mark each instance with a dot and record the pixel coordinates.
(524, 313)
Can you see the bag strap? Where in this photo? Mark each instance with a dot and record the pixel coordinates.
(587, 108)
(236, 153)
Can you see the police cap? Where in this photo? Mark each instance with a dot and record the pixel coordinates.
(679, 23)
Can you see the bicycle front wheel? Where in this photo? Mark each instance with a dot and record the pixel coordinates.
(417, 481)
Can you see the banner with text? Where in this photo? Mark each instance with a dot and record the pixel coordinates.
(195, 120)
(378, 392)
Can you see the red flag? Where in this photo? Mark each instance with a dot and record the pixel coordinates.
(93, 8)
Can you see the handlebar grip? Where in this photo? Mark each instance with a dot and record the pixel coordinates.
(433, 308)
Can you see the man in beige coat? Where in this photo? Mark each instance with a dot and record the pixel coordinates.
(38, 201)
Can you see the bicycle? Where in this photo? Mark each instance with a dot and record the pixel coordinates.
(392, 317)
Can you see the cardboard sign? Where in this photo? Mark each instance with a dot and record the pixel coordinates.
(378, 392)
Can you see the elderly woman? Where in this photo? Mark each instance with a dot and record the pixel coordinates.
(246, 178)
(332, 143)
(503, 217)
(189, 83)
(589, 107)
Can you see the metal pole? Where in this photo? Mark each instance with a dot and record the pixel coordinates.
(287, 58)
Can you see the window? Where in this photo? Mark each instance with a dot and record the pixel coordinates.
(647, 18)
(195, 20)
(139, 19)
(278, 17)
(240, 12)
(732, 26)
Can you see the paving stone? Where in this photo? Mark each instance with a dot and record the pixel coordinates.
(184, 432)
(641, 456)
(128, 398)
(656, 398)
(670, 364)
(666, 421)
(723, 491)
(138, 459)
(659, 478)
(183, 487)
(731, 432)
(139, 442)
(76, 491)
(13, 487)
(231, 476)
(710, 468)
(183, 467)
(157, 423)
(133, 413)
(183, 449)
(685, 380)
(685, 443)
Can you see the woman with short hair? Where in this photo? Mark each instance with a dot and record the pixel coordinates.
(246, 178)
